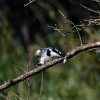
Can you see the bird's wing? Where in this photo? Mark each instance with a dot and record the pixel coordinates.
(56, 51)
(43, 51)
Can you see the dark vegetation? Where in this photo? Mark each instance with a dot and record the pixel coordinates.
(23, 30)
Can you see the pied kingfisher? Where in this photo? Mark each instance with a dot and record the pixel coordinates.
(46, 54)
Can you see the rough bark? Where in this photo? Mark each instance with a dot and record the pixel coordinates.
(39, 69)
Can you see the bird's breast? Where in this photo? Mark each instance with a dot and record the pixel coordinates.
(47, 58)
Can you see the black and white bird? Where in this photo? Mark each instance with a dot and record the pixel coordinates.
(46, 54)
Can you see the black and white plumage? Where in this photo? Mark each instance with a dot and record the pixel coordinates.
(46, 54)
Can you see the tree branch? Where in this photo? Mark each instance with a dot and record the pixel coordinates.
(39, 69)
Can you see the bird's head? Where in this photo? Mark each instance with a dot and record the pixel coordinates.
(38, 53)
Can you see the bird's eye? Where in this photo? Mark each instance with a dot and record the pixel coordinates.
(38, 56)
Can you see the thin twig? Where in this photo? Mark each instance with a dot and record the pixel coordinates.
(98, 12)
(29, 88)
(93, 22)
(30, 1)
(29, 64)
(56, 29)
(16, 95)
(81, 42)
(41, 86)
(98, 1)
(28, 80)
(5, 97)
(20, 68)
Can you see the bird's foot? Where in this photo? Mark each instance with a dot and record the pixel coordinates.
(65, 59)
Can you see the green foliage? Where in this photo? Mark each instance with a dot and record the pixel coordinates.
(77, 79)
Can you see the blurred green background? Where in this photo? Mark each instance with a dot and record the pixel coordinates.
(23, 30)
